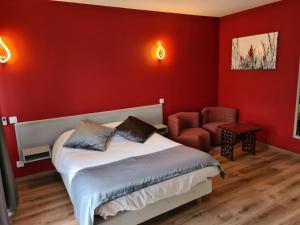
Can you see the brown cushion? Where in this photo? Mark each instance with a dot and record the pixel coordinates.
(135, 129)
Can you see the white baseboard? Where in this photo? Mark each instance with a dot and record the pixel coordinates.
(277, 149)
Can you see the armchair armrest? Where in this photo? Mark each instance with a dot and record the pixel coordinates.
(174, 125)
(205, 115)
(182, 120)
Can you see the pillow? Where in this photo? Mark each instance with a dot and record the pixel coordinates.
(112, 124)
(135, 129)
(89, 136)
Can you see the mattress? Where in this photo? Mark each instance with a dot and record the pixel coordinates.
(69, 161)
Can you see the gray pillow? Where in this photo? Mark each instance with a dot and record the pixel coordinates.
(89, 136)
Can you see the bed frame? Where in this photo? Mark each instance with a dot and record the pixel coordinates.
(34, 134)
(158, 208)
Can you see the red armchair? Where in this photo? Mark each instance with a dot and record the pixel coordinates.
(212, 117)
(184, 128)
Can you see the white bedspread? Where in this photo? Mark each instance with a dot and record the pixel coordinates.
(69, 161)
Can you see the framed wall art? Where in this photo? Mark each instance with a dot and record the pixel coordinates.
(255, 52)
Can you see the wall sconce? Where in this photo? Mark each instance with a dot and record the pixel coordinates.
(4, 52)
(160, 51)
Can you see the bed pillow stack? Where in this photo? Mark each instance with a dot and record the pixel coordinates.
(93, 136)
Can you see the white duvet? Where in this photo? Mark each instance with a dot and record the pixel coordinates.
(69, 161)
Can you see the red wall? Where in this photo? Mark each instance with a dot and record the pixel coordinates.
(71, 59)
(266, 98)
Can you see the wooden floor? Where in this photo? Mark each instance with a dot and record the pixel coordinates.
(262, 189)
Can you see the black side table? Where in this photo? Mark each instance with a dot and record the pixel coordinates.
(229, 133)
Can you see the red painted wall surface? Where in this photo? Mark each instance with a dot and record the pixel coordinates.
(72, 59)
(265, 98)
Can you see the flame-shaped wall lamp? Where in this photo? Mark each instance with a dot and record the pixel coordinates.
(4, 52)
(160, 51)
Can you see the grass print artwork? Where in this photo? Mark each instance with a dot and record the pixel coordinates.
(254, 52)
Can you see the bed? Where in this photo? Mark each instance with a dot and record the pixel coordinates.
(134, 207)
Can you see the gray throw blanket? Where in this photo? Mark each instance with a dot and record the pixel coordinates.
(92, 187)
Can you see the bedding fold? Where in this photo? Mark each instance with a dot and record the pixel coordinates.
(94, 186)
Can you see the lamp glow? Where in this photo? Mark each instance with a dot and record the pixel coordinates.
(4, 58)
(160, 52)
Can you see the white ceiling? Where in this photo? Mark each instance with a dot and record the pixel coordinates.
(216, 8)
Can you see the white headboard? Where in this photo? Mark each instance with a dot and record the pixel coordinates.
(45, 132)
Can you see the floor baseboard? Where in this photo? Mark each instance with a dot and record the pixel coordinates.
(277, 149)
(36, 176)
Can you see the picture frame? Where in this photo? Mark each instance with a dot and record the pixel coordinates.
(256, 52)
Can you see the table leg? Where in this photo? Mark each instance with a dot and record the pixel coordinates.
(227, 143)
(249, 142)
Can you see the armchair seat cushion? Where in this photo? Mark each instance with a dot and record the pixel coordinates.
(195, 137)
(212, 117)
(213, 126)
(215, 132)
